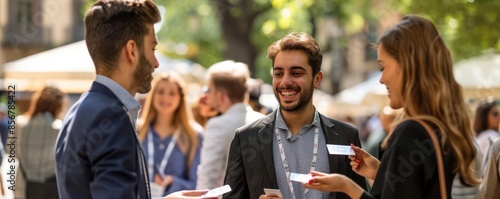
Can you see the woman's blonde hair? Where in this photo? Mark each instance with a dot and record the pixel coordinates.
(429, 89)
(183, 120)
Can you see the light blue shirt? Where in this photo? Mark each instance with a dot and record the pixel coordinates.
(299, 151)
(131, 105)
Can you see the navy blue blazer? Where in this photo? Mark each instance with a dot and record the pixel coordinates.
(97, 151)
(250, 167)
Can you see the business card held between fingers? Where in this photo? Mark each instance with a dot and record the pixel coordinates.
(217, 191)
(303, 178)
(334, 149)
(273, 193)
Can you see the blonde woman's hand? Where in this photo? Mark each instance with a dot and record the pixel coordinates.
(164, 182)
(363, 163)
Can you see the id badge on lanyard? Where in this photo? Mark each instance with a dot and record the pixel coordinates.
(157, 190)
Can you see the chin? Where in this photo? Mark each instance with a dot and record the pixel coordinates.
(395, 105)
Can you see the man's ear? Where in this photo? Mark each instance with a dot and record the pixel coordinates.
(317, 79)
(131, 51)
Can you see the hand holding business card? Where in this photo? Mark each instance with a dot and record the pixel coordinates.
(217, 191)
(334, 149)
(273, 193)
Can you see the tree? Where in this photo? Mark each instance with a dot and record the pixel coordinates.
(469, 26)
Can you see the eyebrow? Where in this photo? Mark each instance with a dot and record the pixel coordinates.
(291, 68)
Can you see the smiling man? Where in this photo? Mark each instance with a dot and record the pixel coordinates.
(98, 154)
(296, 129)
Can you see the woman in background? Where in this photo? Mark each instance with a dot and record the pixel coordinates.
(37, 133)
(169, 137)
(486, 124)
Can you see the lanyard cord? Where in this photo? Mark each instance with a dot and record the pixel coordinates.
(285, 162)
(166, 156)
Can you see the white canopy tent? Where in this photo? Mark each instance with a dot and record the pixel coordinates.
(479, 76)
(362, 99)
(71, 69)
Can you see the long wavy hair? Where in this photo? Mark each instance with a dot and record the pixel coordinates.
(429, 89)
(183, 120)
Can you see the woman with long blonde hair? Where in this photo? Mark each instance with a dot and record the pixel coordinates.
(170, 136)
(417, 70)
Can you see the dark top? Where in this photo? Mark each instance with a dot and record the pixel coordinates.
(250, 166)
(408, 167)
(97, 151)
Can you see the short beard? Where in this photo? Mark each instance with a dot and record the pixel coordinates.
(143, 74)
(304, 99)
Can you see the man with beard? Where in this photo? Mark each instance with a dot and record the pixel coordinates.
(293, 138)
(97, 152)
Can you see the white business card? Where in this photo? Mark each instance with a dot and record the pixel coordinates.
(217, 191)
(334, 149)
(273, 193)
(297, 177)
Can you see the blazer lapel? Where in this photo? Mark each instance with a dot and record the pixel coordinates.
(331, 137)
(265, 136)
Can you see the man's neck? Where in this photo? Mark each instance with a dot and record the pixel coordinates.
(297, 119)
(119, 77)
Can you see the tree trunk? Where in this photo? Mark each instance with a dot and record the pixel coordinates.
(236, 20)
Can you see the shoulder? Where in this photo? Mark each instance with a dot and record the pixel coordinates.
(255, 126)
(99, 105)
(408, 134)
(341, 126)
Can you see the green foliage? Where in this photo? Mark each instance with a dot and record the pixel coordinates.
(195, 24)
(190, 23)
(468, 26)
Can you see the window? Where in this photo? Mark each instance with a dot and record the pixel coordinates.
(24, 13)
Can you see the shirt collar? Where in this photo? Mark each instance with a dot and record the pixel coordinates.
(280, 122)
(130, 103)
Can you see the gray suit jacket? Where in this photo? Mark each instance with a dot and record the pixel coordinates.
(251, 167)
(216, 141)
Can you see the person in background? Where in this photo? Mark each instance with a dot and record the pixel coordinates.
(228, 94)
(387, 118)
(486, 123)
(37, 132)
(98, 153)
(490, 188)
(170, 137)
(202, 111)
(4, 119)
(417, 70)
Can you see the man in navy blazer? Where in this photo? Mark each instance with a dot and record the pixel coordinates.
(97, 152)
(293, 138)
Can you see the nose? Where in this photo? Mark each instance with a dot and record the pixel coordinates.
(287, 79)
(156, 64)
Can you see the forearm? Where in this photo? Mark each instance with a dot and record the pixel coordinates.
(352, 189)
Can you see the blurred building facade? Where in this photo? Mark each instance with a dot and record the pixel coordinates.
(31, 26)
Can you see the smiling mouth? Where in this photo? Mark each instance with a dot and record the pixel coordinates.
(288, 93)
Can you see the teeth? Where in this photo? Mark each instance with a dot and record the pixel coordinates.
(288, 93)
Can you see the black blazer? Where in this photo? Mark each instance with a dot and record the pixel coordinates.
(250, 166)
